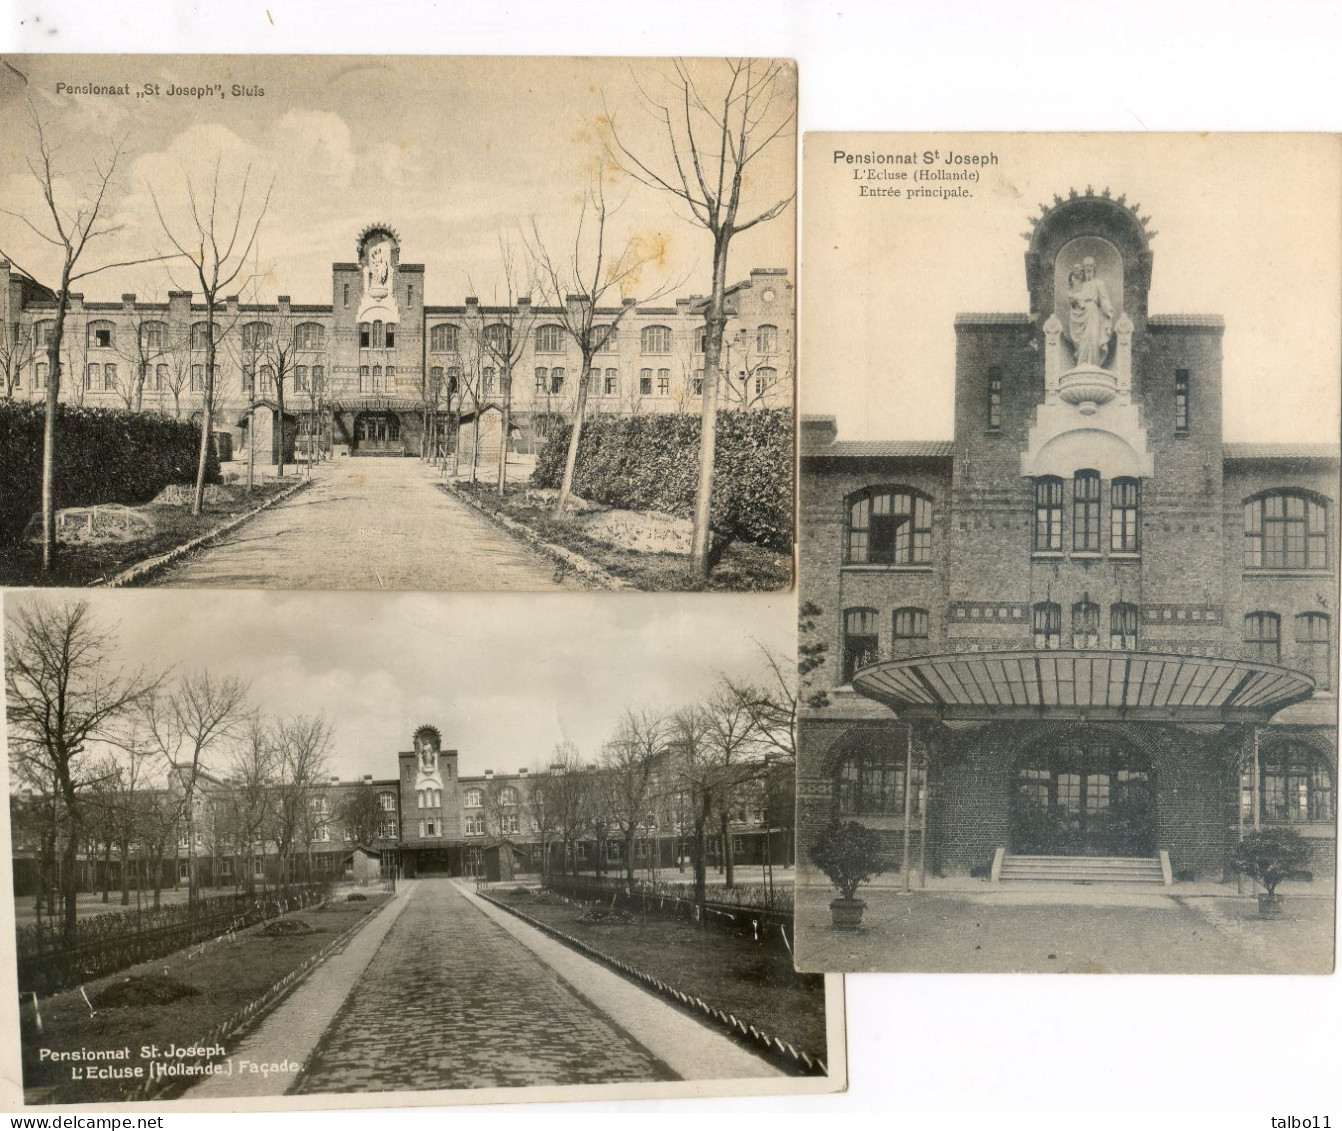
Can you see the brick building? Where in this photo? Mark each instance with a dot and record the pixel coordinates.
(431, 820)
(371, 368)
(1085, 628)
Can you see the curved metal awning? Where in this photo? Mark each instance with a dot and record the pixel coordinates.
(1080, 684)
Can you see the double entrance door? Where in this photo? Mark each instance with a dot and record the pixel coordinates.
(1083, 796)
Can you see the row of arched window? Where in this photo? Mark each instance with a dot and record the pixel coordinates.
(909, 634)
(153, 335)
(1284, 528)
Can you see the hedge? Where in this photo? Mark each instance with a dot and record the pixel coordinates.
(102, 456)
(652, 463)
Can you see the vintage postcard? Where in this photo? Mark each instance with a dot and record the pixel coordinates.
(1069, 553)
(397, 322)
(396, 858)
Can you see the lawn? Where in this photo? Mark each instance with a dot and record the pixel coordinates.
(742, 568)
(80, 564)
(730, 972)
(226, 975)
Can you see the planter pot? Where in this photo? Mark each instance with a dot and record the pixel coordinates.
(846, 914)
(1269, 906)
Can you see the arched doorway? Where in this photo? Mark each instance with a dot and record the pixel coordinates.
(1083, 794)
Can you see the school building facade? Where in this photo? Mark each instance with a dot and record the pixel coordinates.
(1085, 638)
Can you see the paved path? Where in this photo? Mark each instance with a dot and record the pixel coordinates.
(368, 524)
(290, 1034)
(452, 1000)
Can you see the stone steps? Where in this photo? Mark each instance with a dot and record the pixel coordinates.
(1082, 869)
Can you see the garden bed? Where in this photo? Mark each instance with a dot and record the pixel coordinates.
(743, 567)
(729, 972)
(226, 974)
(89, 563)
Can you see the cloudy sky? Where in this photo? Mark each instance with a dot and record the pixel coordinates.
(504, 677)
(453, 153)
(1248, 227)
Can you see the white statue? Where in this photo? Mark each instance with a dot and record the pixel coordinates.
(1090, 318)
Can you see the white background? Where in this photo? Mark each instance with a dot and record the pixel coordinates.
(1019, 1051)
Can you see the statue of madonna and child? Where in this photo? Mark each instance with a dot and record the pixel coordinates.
(1090, 314)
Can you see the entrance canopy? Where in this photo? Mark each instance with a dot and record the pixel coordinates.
(1082, 685)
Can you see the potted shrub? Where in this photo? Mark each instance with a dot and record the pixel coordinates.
(850, 855)
(1270, 856)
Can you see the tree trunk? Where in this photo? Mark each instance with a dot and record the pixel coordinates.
(503, 439)
(107, 871)
(629, 838)
(279, 455)
(575, 438)
(206, 421)
(125, 874)
(708, 427)
(475, 443)
(49, 425)
(728, 875)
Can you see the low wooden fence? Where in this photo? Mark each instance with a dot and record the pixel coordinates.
(105, 944)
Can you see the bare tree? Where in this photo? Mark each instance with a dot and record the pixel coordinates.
(735, 762)
(143, 350)
(16, 354)
(64, 697)
(217, 243)
(501, 333)
(712, 141)
(576, 284)
(253, 780)
(73, 219)
(630, 762)
(359, 813)
(278, 356)
(201, 712)
(303, 745)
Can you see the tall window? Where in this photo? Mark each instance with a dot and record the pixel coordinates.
(40, 375)
(994, 399)
(365, 335)
(151, 335)
(443, 338)
(656, 339)
(766, 339)
(102, 335)
(765, 378)
(508, 795)
(42, 332)
(267, 379)
(160, 377)
(197, 378)
(499, 338)
(697, 383)
(1085, 625)
(1315, 647)
(1124, 499)
(487, 381)
(612, 383)
(1123, 627)
(1295, 786)
(300, 378)
(607, 338)
(1262, 637)
(909, 635)
(889, 526)
(542, 380)
(309, 336)
(92, 374)
(472, 799)
(1086, 511)
(645, 382)
(1046, 624)
(200, 335)
(663, 382)
(109, 377)
(1181, 400)
(255, 335)
(1286, 530)
(556, 379)
(549, 339)
(390, 338)
(860, 640)
(871, 784)
(1048, 513)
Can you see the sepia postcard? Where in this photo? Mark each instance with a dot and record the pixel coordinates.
(415, 323)
(1069, 553)
(339, 850)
